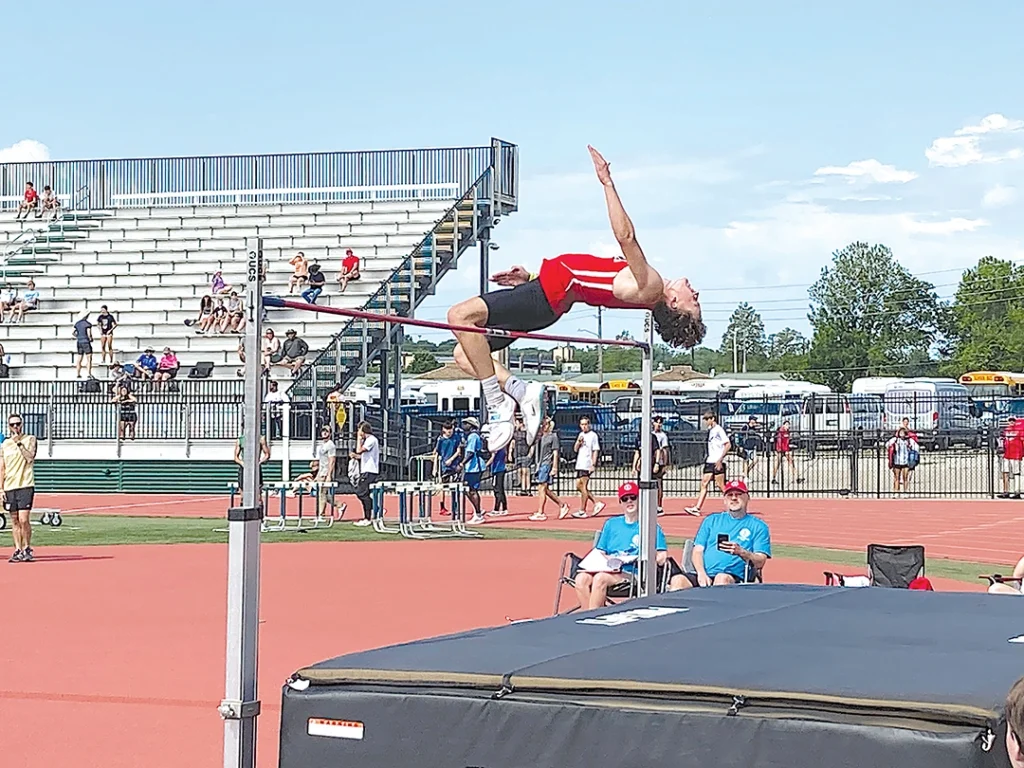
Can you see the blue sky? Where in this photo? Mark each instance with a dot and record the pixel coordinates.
(749, 139)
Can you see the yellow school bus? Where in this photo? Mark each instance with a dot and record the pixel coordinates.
(612, 390)
(988, 384)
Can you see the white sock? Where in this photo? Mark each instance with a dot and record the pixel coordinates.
(515, 388)
(492, 393)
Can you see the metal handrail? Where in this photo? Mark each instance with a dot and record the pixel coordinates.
(30, 234)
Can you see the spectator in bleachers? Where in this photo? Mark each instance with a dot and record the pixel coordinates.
(8, 303)
(729, 546)
(293, 352)
(122, 375)
(204, 319)
(217, 284)
(126, 414)
(29, 301)
(107, 324)
(48, 202)
(167, 368)
(234, 320)
(316, 284)
(146, 364)
(270, 348)
(349, 269)
(5, 369)
(300, 275)
(83, 341)
(220, 316)
(30, 201)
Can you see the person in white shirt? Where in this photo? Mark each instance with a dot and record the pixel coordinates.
(714, 465)
(588, 453)
(368, 452)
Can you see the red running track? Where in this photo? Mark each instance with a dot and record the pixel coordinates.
(974, 530)
(117, 655)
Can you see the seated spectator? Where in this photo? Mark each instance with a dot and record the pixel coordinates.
(5, 365)
(271, 346)
(349, 269)
(204, 319)
(30, 203)
(219, 316)
(316, 284)
(1014, 587)
(217, 284)
(234, 318)
(49, 202)
(146, 364)
(168, 366)
(729, 546)
(301, 274)
(10, 300)
(619, 548)
(29, 300)
(123, 375)
(293, 352)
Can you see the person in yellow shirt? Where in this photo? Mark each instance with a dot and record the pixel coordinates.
(17, 481)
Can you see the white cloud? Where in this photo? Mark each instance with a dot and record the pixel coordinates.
(999, 195)
(946, 227)
(869, 170)
(965, 146)
(25, 151)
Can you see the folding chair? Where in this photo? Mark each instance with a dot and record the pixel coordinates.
(626, 590)
(891, 566)
(994, 578)
(751, 575)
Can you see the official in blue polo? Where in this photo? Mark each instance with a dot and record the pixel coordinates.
(731, 546)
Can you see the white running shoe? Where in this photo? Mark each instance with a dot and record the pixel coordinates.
(533, 409)
(499, 425)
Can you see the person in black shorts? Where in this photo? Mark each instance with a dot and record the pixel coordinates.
(18, 484)
(536, 302)
(107, 324)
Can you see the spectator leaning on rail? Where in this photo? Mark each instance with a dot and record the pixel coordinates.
(729, 545)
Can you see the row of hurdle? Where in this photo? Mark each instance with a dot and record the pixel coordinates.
(412, 515)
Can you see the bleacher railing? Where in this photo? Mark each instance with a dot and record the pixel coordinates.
(129, 182)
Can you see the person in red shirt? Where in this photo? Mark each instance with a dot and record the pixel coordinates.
(1013, 452)
(30, 202)
(537, 301)
(349, 269)
(784, 452)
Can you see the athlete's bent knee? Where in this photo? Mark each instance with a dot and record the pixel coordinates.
(470, 312)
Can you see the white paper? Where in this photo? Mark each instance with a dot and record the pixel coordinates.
(598, 562)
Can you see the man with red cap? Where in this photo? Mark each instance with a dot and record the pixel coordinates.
(616, 552)
(730, 546)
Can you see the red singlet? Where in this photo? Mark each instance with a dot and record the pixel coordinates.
(580, 277)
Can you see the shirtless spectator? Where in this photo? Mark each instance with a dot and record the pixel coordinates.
(270, 348)
(31, 201)
(349, 269)
(107, 324)
(83, 342)
(167, 367)
(293, 352)
(29, 301)
(301, 272)
(234, 320)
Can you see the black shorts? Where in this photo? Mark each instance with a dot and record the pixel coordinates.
(85, 347)
(711, 469)
(19, 499)
(241, 476)
(523, 308)
(582, 473)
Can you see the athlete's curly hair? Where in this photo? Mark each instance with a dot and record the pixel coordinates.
(678, 329)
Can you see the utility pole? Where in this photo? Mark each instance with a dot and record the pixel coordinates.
(600, 348)
(735, 351)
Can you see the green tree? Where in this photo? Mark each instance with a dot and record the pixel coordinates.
(787, 351)
(870, 316)
(745, 333)
(422, 362)
(986, 319)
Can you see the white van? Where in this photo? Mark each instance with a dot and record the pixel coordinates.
(939, 411)
(836, 416)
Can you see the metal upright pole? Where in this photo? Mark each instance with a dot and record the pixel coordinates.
(240, 706)
(485, 272)
(648, 488)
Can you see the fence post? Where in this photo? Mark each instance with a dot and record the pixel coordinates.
(990, 443)
(186, 410)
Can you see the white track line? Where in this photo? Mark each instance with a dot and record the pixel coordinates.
(141, 504)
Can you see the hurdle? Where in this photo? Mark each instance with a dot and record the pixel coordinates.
(417, 497)
(300, 490)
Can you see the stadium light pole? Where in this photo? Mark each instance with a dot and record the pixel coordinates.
(240, 706)
(648, 488)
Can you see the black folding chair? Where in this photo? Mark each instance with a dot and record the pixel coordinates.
(994, 578)
(751, 575)
(891, 566)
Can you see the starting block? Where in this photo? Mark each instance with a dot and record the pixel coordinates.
(419, 525)
(296, 523)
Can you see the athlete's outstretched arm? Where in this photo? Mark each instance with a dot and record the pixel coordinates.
(622, 225)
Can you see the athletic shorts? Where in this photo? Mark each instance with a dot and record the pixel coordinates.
(544, 473)
(241, 476)
(472, 480)
(19, 499)
(451, 476)
(711, 469)
(523, 308)
(582, 473)
(85, 347)
(1011, 466)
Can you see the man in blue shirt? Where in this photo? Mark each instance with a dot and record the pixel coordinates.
(474, 466)
(731, 546)
(447, 450)
(147, 363)
(620, 538)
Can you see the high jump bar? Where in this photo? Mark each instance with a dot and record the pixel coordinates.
(277, 301)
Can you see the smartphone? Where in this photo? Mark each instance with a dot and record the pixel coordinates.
(722, 538)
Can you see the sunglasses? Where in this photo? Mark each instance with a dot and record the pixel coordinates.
(14, 424)
(628, 498)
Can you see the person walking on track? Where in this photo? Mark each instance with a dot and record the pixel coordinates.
(18, 481)
(714, 465)
(537, 301)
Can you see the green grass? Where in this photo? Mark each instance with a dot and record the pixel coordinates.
(97, 530)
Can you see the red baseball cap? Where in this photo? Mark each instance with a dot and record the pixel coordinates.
(628, 489)
(735, 485)
(921, 583)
